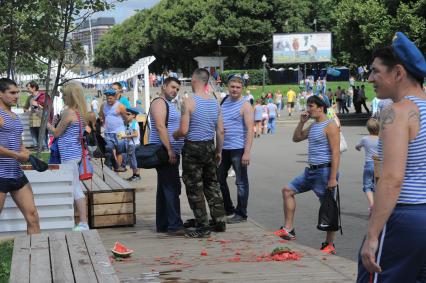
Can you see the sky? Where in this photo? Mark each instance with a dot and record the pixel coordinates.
(126, 9)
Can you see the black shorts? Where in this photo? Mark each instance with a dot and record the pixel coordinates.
(291, 104)
(8, 185)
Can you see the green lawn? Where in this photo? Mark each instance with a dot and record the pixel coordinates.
(257, 90)
(6, 249)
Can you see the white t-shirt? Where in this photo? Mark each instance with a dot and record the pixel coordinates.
(95, 105)
(370, 144)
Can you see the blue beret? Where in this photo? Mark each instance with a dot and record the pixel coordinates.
(132, 110)
(411, 57)
(109, 92)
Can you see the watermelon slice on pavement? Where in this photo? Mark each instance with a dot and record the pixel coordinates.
(120, 250)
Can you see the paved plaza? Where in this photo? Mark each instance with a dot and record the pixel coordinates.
(276, 160)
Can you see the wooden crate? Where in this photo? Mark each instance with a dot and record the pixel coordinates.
(77, 257)
(110, 203)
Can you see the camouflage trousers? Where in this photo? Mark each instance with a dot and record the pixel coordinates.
(200, 178)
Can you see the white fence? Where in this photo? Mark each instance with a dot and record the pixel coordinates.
(53, 197)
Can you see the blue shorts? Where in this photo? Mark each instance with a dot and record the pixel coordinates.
(315, 180)
(112, 142)
(368, 177)
(402, 248)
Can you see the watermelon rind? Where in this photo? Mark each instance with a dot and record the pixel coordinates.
(125, 254)
(117, 253)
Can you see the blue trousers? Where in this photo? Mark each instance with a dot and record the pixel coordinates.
(232, 158)
(168, 217)
(402, 248)
(271, 124)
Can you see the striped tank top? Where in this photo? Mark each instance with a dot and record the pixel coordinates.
(233, 123)
(172, 125)
(10, 138)
(258, 111)
(113, 121)
(203, 122)
(318, 149)
(413, 190)
(69, 142)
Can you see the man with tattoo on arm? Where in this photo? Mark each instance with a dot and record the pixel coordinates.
(394, 248)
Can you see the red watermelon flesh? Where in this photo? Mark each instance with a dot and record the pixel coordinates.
(121, 250)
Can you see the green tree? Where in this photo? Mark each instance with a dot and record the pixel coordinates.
(176, 31)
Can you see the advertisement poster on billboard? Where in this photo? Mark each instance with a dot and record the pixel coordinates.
(293, 48)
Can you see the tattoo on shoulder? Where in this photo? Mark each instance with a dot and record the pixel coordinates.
(182, 108)
(413, 116)
(387, 117)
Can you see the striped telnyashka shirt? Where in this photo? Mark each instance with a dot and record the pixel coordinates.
(319, 149)
(10, 138)
(413, 190)
(203, 122)
(233, 123)
(172, 125)
(69, 142)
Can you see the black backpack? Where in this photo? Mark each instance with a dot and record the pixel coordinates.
(329, 213)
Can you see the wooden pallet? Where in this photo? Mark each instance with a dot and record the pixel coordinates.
(61, 257)
(110, 203)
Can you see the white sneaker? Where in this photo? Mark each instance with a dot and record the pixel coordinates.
(81, 227)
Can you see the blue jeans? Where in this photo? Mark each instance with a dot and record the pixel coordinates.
(168, 217)
(315, 180)
(34, 131)
(232, 157)
(131, 154)
(112, 142)
(368, 177)
(271, 124)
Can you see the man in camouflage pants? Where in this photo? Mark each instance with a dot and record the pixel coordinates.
(201, 123)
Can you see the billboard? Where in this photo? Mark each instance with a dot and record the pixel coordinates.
(293, 48)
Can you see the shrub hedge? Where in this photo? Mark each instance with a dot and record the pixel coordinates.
(255, 76)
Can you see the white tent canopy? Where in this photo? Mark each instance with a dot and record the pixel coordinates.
(139, 67)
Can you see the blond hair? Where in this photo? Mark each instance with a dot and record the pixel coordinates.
(373, 126)
(75, 98)
(91, 118)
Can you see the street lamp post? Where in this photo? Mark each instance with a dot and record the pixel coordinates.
(219, 43)
(264, 71)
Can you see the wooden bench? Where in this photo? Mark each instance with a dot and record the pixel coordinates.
(110, 203)
(61, 257)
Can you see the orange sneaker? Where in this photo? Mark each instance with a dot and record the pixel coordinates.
(328, 248)
(285, 234)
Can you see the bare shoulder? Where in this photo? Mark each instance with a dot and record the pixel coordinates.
(332, 127)
(247, 106)
(188, 104)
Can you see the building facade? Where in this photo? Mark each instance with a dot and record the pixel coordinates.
(98, 28)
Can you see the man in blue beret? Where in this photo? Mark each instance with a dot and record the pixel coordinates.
(394, 248)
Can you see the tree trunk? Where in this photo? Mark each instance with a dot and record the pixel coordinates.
(46, 110)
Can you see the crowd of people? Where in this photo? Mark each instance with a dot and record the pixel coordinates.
(211, 137)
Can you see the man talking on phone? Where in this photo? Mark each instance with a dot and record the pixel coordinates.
(321, 175)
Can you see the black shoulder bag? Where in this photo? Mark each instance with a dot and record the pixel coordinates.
(152, 155)
(329, 218)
